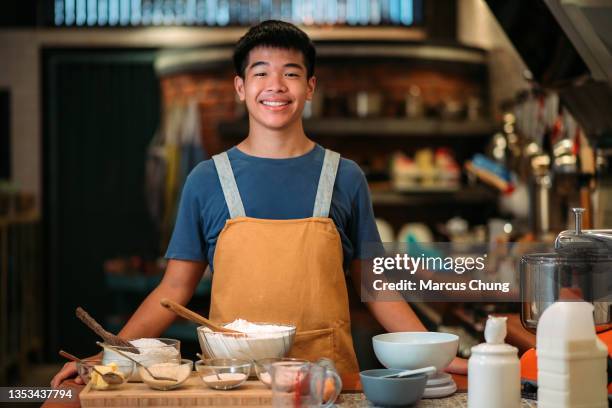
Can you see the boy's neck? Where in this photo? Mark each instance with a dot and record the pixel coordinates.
(276, 144)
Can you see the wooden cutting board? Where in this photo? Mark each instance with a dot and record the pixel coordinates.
(193, 393)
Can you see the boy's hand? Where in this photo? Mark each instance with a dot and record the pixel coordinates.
(150, 320)
(68, 370)
(458, 366)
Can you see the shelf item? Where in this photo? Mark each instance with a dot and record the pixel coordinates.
(379, 127)
(425, 171)
(415, 232)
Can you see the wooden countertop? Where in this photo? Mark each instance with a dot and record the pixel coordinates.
(517, 336)
(351, 385)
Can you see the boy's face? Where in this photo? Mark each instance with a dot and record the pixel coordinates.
(275, 86)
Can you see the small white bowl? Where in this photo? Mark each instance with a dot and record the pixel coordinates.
(412, 350)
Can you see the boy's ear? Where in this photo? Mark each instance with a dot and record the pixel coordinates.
(310, 87)
(239, 86)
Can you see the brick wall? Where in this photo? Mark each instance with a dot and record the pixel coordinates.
(339, 83)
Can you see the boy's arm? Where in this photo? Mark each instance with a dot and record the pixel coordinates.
(151, 319)
(178, 284)
(398, 316)
(393, 316)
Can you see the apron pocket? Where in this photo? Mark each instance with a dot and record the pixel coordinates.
(314, 344)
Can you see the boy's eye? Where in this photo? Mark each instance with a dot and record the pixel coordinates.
(260, 74)
(292, 74)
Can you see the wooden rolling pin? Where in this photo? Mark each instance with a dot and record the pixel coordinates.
(193, 316)
(109, 338)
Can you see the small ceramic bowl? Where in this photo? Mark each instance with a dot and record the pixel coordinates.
(262, 367)
(392, 392)
(180, 372)
(223, 373)
(412, 350)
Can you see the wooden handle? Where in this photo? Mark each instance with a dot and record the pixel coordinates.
(68, 356)
(193, 316)
(106, 336)
(92, 324)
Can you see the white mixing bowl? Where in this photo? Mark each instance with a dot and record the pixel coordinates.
(412, 350)
(247, 346)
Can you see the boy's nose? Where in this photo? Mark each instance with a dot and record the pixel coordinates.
(276, 84)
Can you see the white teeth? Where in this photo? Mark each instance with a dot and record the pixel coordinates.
(274, 103)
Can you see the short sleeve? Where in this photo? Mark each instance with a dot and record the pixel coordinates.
(363, 232)
(187, 242)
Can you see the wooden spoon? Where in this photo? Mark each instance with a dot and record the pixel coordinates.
(194, 317)
(109, 338)
(155, 377)
(110, 378)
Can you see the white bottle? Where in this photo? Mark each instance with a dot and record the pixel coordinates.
(494, 375)
(571, 359)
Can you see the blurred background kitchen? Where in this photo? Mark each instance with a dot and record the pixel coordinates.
(474, 121)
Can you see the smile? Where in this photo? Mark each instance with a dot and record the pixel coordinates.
(275, 103)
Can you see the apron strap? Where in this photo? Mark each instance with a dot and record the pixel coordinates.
(326, 184)
(229, 186)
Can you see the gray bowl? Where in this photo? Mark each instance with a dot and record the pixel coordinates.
(392, 392)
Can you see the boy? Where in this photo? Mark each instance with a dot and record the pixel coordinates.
(278, 218)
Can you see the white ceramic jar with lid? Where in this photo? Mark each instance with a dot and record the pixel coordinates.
(494, 378)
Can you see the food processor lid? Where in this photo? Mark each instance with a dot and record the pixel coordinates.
(585, 243)
(568, 257)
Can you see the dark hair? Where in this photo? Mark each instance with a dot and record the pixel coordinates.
(275, 34)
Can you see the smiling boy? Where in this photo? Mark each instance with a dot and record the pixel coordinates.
(278, 218)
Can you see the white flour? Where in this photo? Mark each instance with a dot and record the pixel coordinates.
(152, 351)
(261, 341)
(245, 326)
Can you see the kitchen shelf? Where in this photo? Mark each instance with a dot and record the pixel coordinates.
(378, 127)
(354, 44)
(466, 195)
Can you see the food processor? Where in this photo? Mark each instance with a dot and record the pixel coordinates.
(579, 269)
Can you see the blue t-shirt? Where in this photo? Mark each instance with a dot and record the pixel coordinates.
(271, 189)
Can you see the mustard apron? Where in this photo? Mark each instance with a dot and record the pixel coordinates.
(285, 271)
